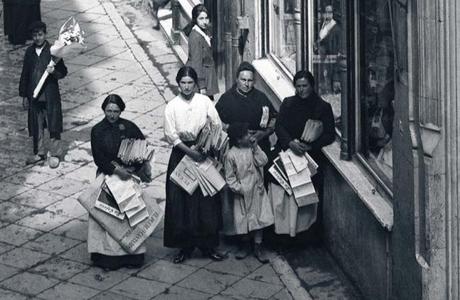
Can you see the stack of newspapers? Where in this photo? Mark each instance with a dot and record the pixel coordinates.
(312, 130)
(189, 174)
(133, 151)
(211, 138)
(294, 172)
(122, 198)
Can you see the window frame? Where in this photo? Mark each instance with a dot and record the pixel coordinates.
(267, 43)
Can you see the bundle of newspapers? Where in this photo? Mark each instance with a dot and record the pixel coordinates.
(189, 174)
(122, 198)
(133, 151)
(119, 226)
(212, 138)
(294, 172)
(312, 130)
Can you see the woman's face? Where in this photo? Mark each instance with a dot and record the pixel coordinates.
(202, 20)
(303, 88)
(245, 81)
(112, 112)
(187, 86)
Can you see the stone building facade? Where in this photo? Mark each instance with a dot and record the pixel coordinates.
(391, 71)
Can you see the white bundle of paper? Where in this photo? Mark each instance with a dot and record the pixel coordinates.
(312, 131)
(211, 138)
(298, 171)
(189, 175)
(135, 151)
(128, 196)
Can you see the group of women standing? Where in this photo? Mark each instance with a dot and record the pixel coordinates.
(252, 201)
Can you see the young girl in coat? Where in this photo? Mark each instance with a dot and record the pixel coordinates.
(200, 51)
(252, 210)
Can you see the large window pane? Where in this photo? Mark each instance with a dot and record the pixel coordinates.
(378, 85)
(283, 38)
(329, 49)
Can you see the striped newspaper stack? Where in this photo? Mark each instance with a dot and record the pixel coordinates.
(135, 151)
(294, 172)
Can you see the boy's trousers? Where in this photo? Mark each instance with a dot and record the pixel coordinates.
(55, 146)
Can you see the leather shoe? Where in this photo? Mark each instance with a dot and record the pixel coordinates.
(181, 257)
(215, 256)
(260, 254)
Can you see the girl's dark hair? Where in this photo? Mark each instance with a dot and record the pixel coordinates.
(186, 71)
(304, 74)
(236, 131)
(196, 11)
(37, 26)
(115, 99)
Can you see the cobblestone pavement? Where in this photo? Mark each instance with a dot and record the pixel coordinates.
(43, 229)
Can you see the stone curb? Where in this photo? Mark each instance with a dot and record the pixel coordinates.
(289, 277)
(279, 264)
(131, 42)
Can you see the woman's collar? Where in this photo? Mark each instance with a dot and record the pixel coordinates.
(203, 34)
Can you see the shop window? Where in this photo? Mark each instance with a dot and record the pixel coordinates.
(377, 86)
(284, 16)
(330, 53)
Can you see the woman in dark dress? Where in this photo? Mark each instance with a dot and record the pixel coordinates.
(106, 137)
(294, 112)
(190, 220)
(18, 15)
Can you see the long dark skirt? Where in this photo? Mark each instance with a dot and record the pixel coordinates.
(18, 17)
(190, 220)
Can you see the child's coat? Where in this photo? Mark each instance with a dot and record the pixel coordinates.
(252, 208)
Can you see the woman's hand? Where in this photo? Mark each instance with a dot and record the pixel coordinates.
(299, 148)
(203, 91)
(196, 155)
(122, 173)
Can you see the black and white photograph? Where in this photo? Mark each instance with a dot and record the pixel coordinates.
(230, 149)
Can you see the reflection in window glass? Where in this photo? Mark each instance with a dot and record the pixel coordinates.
(378, 87)
(329, 59)
(283, 38)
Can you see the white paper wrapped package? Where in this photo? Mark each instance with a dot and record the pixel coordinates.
(69, 43)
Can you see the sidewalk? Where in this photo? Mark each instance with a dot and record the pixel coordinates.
(43, 252)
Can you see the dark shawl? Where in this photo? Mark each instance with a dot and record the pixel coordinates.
(106, 139)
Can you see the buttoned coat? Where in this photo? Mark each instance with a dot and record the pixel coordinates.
(201, 60)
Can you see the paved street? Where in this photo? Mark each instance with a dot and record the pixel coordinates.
(43, 228)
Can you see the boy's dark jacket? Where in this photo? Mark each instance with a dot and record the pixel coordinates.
(32, 71)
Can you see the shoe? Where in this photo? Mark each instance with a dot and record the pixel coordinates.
(260, 254)
(34, 159)
(216, 256)
(181, 256)
(53, 162)
(242, 252)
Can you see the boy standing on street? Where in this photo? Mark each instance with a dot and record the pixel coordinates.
(44, 111)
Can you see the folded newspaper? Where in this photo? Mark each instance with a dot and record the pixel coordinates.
(312, 130)
(133, 151)
(294, 172)
(211, 138)
(189, 174)
(129, 237)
